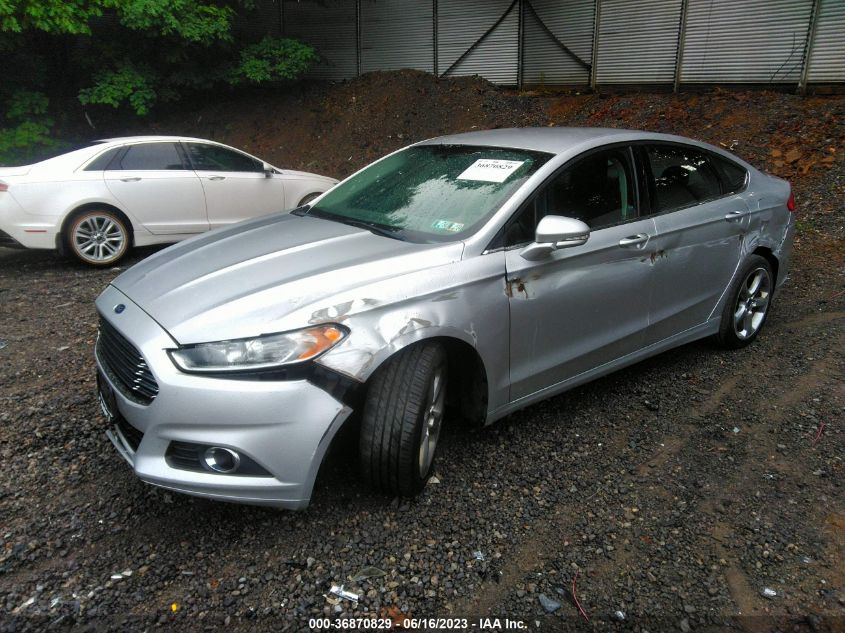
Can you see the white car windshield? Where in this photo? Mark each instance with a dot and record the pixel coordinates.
(430, 193)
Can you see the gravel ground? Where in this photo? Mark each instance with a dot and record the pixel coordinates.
(668, 496)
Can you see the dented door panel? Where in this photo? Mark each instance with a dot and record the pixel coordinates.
(695, 255)
(583, 307)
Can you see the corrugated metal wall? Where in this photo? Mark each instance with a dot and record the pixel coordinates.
(544, 61)
(550, 42)
(397, 34)
(637, 41)
(330, 26)
(461, 23)
(827, 52)
(754, 41)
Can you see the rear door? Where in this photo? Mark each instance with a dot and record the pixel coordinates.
(153, 183)
(235, 184)
(701, 221)
(587, 305)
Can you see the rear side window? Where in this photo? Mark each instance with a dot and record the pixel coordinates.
(102, 161)
(150, 156)
(680, 177)
(733, 176)
(215, 158)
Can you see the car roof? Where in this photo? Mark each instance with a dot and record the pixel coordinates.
(132, 139)
(554, 140)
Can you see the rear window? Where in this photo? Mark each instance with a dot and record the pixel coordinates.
(733, 176)
(101, 163)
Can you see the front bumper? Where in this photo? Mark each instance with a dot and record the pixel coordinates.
(284, 426)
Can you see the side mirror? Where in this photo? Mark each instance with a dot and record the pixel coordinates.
(269, 170)
(554, 232)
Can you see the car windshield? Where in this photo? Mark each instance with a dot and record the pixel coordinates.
(430, 193)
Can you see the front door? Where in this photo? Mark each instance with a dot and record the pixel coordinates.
(587, 305)
(236, 187)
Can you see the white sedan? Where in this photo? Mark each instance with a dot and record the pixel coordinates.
(98, 201)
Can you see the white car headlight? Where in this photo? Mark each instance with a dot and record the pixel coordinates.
(262, 352)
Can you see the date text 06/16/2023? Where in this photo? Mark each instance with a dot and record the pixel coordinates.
(430, 624)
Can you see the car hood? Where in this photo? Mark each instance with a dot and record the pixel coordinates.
(267, 275)
(307, 174)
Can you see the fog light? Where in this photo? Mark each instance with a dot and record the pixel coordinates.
(221, 460)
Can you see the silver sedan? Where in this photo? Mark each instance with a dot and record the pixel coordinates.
(463, 277)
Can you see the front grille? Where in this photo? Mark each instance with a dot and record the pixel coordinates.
(132, 435)
(127, 368)
(8, 241)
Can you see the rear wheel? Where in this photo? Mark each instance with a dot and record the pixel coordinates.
(402, 418)
(748, 304)
(98, 237)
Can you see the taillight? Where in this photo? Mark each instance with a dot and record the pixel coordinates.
(3, 186)
(790, 204)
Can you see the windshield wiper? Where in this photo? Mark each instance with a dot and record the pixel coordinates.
(375, 229)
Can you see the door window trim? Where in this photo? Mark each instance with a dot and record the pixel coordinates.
(493, 246)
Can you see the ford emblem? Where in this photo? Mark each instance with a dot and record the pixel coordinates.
(119, 308)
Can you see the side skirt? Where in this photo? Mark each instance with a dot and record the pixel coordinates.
(698, 332)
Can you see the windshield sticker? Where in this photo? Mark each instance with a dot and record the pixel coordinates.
(445, 225)
(491, 170)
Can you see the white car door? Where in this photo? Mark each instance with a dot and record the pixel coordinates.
(235, 184)
(154, 184)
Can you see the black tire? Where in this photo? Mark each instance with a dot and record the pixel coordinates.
(747, 307)
(86, 228)
(397, 410)
(309, 198)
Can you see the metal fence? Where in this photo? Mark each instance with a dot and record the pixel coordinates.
(571, 42)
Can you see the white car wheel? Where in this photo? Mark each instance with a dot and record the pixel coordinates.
(98, 237)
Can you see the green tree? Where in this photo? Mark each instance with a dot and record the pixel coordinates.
(131, 54)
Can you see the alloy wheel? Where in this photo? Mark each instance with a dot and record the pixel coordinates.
(752, 303)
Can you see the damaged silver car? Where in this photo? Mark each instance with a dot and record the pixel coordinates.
(466, 276)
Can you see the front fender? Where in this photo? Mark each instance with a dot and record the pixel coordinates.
(469, 305)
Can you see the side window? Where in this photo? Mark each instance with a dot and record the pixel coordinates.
(597, 189)
(101, 163)
(733, 176)
(215, 158)
(680, 177)
(150, 156)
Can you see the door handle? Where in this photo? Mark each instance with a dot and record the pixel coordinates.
(734, 215)
(135, 179)
(637, 241)
(217, 177)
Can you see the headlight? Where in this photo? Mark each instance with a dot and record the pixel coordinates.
(261, 352)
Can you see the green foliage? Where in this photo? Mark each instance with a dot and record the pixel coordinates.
(124, 85)
(273, 59)
(125, 54)
(190, 21)
(28, 126)
(52, 16)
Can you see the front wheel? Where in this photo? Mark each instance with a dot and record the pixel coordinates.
(98, 237)
(402, 418)
(307, 199)
(748, 304)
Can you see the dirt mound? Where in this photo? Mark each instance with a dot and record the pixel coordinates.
(335, 129)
